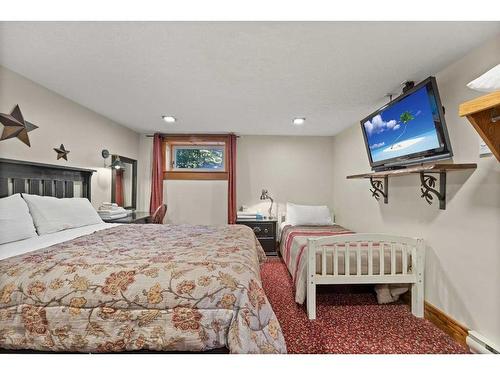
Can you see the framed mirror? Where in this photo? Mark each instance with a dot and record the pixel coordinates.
(124, 182)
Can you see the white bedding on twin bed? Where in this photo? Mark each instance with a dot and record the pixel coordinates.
(39, 242)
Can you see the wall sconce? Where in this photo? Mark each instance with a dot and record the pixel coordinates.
(263, 196)
(117, 164)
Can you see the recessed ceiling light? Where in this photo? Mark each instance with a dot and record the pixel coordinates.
(169, 119)
(299, 121)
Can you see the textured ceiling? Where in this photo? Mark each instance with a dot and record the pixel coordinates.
(246, 77)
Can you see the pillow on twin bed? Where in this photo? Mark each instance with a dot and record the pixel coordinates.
(308, 215)
(55, 214)
(15, 220)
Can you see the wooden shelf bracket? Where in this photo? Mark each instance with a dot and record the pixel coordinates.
(380, 188)
(427, 187)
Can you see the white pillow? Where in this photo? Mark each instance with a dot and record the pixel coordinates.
(488, 82)
(308, 215)
(16, 222)
(54, 214)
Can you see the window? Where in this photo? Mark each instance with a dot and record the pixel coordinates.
(199, 158)
(195, 157)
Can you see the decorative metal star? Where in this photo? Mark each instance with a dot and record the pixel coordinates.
(16, 126)
(61, 152)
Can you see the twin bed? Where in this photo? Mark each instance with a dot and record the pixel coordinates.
(330, 254)
(109, 288)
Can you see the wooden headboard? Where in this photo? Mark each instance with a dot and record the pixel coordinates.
(17, 176)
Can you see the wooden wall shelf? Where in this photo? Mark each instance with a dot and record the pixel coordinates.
(429, 168)
(484, 114)
(380, 180)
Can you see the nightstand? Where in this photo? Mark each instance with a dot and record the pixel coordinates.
(136, 217)
(265, 231)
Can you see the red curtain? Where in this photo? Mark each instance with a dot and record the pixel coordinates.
(119, 187)
(157, 176)
(231, 168)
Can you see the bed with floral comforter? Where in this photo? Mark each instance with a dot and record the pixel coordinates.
(140, 287)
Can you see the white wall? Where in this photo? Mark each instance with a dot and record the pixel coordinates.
(292, 169)
(196, 201)
(463, 242)
(60, 120)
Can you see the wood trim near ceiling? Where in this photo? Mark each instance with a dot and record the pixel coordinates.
(183, 139)
(444, 322)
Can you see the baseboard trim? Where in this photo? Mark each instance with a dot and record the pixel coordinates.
(444, 322)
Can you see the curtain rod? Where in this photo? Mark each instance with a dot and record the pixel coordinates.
(190, 135)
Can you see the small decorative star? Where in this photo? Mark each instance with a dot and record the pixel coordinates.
(61, 152)
(16, 126)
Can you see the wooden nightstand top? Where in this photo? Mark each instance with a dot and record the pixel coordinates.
(244, 221)
(136, 217)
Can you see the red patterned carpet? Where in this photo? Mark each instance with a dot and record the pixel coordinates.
(350, 323)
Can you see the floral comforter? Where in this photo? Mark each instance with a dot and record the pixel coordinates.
(133, 287)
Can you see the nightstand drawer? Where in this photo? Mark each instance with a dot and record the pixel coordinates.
(262, 229)
(265, 231)
(269, 245)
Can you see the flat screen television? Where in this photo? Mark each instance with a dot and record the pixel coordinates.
(409, 130)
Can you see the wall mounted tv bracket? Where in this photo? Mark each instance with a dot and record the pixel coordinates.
(407, 85)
